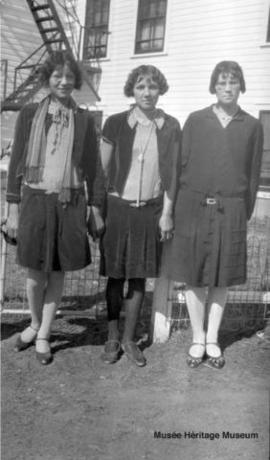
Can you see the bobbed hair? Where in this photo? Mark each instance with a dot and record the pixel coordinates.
(56, 59)
(141, 71)
(227, 67)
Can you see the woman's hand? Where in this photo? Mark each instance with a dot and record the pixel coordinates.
(166, 226)
(95, 223)
(12, 221)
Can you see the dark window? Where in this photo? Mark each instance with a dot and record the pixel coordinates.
(151, 26)
(268, 29)
(4, 73)
(96, 29)
(265, 171)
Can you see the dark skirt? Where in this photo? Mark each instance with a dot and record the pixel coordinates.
(209, 245)
(52, 237)
(130, 246)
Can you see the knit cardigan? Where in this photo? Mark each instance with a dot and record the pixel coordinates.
(84, 154)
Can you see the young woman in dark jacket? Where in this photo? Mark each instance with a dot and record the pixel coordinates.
(54, 155)
(139, 156)
(221, 158)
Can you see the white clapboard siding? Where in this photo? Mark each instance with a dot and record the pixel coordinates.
(19, 38)
(19, 35)
(198, 35)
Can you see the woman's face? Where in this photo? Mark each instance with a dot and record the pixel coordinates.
(61, 82)
(227, 89)
(146, 93)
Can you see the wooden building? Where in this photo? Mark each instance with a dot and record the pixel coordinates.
(185, 40)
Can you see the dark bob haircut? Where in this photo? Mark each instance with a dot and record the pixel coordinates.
(56, 59)
(142, 71)
(227, 67)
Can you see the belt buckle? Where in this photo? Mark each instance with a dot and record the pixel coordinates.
(140, 205)
(211, 201)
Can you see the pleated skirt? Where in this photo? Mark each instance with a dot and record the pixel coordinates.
(209, 247)
(130, 246)
(52, 237)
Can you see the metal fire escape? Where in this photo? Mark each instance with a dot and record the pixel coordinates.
(54, 37)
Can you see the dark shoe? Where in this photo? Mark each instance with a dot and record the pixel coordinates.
(134, 353)
(111, 352)
(194, 361)
(44, 358)
(216, 362)
(20, 345)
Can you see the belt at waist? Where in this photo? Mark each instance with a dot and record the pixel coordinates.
(42, 191)
(135, 204)
(75, 193)
(217, 201)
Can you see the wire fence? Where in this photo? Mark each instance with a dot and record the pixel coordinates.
(84, 290)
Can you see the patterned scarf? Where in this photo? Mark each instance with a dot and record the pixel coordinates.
(35, 159)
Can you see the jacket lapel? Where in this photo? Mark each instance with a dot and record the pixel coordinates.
(80, 126)
(123, 153)
(164, 138)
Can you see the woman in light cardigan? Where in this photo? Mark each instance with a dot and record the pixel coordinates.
(54, 154)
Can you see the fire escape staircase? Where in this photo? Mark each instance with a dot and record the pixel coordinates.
(53, 35)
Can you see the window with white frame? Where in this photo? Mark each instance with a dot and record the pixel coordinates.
(96, 29)
(265, 170)
(151, 24)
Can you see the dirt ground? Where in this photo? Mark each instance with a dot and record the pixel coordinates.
(78, 408)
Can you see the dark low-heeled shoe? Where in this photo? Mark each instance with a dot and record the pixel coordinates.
(134, 354)
(111, 352)
(216, 362)
(195, 361)
(20, 345)
(46, 357)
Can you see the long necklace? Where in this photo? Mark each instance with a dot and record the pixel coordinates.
(141, 159)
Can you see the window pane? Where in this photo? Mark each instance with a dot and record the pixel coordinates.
(97, 18)
(158, 31)
(162, 8)
(100, 52)
(153, 9)
(143, 47)
(157, 44)
(144, 9)
(145, 31)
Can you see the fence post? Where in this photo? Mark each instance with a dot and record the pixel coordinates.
(161, 311)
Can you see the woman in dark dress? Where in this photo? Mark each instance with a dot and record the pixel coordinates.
(139, 154)
(221, 157)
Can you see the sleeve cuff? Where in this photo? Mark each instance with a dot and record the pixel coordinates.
(13, 198)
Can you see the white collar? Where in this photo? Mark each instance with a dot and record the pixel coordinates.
(136, 116)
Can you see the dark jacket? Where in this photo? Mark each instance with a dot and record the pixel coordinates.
(222, 161)
(117, 130)
(84, 154)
